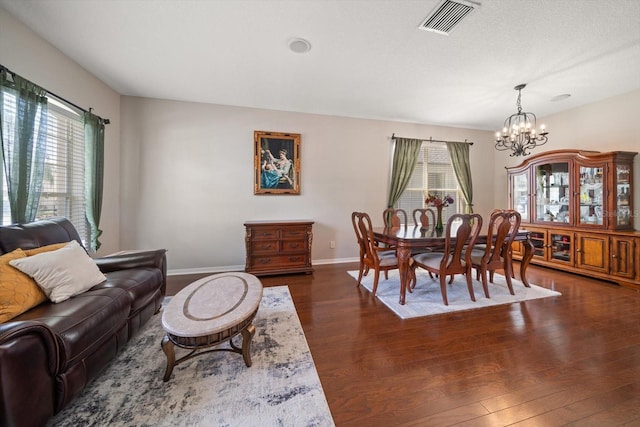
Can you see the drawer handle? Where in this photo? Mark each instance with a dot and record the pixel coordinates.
(294, 245)
(265, 247)
(295, 258)
(264, 260)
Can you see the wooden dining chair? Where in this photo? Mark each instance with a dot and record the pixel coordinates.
(502, 229)
(374, 256)
(456, 255)
(424, 217)
(364, 267)
(392, 217)
(516, 219)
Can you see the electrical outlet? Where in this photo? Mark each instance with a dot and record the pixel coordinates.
(332, 244)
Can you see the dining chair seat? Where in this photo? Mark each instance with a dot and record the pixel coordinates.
(430, 259)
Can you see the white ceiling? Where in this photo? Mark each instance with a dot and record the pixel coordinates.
(368, 57)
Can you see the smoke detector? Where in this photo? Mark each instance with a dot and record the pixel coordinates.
(447, 15)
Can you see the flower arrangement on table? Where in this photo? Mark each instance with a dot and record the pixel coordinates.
(439, 202)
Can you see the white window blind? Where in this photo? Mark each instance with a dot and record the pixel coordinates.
(63, 178)
(433, 175)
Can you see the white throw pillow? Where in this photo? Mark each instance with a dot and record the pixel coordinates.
(62, 273)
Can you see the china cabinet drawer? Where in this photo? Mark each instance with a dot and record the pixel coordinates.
(278, 247)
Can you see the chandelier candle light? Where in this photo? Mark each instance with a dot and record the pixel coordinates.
(519, 133)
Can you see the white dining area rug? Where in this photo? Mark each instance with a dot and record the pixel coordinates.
(426, 298)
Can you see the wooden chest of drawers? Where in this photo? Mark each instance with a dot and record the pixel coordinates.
(278, 247)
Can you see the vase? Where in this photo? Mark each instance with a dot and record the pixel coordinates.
(439, 226)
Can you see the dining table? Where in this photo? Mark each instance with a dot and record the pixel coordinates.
(406, 239)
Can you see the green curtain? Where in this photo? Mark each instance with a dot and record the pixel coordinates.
(459, 154)
(405, 156)
(94, 173)
(23, 139)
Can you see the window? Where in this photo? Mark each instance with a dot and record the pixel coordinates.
(63, 179)
(433, 175)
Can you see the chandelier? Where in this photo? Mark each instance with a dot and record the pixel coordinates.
(519, 133)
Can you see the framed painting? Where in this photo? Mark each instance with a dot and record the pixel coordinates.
(276, 163)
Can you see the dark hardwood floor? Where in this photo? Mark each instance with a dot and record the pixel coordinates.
(569, 360)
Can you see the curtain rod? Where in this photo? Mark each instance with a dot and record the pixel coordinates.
(393, 136)
(104, 121)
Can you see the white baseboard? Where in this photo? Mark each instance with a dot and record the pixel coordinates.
(224, 269)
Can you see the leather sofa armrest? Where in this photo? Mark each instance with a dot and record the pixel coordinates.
(135, 259)
(132, 259)
(28, 367)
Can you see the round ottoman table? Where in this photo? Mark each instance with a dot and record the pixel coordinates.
(208, 312)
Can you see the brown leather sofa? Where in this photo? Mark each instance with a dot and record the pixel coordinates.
(51, 352)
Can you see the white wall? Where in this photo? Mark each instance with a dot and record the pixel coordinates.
(188, 177)
(28, 55)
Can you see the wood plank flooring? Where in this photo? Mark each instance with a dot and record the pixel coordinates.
(570, 360)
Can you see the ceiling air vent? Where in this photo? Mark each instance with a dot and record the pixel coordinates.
(447, 15)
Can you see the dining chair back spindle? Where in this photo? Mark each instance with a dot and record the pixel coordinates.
(424, 217)
(456, 255)
(394, 217)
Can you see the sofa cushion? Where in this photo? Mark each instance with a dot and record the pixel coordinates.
(18, 292)
(61, 273)
(140, 283)
(83, 323)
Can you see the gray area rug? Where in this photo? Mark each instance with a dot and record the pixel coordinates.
(281, 388)
(426, 298)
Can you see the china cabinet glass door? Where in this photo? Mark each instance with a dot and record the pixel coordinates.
(538, 239)
(552, 195)
(520, 194)
(591, 192)
(623, 195)
(561, 247)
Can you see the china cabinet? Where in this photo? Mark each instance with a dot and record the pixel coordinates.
(578, 207)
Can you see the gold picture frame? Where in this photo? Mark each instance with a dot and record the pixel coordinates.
(276, 162)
